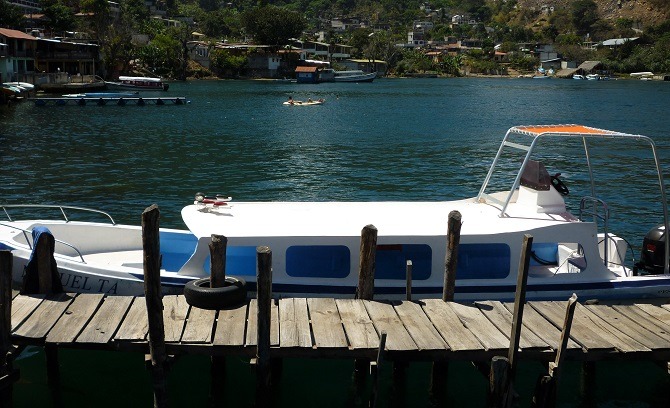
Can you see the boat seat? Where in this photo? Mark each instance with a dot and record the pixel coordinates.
(119, 258)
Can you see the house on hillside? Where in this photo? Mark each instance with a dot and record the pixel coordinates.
(17, 55)
(616, 42)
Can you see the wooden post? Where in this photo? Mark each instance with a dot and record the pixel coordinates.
(587, 384)
(451, 259)
(6, 369)
(499, 390)
(503, 369)
(440, 370)
(408, 274)
(374, 370)
(545, 389)
(366, 266)
(217, 252)
(519, 302)
(264, 294)
(154, 301)
(44, 271)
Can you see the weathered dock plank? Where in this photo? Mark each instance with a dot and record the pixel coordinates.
(78, 313)
(485, 331)
(135, 326)
(23, 306)
(583, 329)
(502, 318)
(357, 324)
(45, 316)
(230, 327)
(419, 327)
(199, 326)
(449, 325)
(106, 321)
(294, 323)
(175, 311)
(543, 328)
(385, 319)
(628, 325)
(326, 323)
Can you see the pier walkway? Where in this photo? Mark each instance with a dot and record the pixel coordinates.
(347, 328)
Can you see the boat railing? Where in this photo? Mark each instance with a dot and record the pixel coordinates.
(591, 206)
(62, 208)
(27, 233)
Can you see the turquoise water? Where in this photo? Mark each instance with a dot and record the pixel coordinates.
(393, 139)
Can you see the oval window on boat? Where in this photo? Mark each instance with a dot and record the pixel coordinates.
(318, 261)
(391, 261)
(483, 261)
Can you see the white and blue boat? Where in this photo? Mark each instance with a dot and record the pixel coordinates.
(315, 245)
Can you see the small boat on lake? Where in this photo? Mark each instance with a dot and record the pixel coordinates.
(578, 76)
(316, 244)
(137, 83)
(308, 102)
(356, 75)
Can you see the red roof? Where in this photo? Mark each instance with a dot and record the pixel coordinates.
(6, 32)
(305, 69)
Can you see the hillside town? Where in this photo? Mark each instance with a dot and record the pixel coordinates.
(103, 41)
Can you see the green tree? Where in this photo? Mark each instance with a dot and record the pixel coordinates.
(101, 14)
(217, 24)
(60, 17)
(227, 64)
(272, 25)
(584, 15)
(10, 15)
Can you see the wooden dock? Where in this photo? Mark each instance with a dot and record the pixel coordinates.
(347, 328)
(102, 101)
(491, 334)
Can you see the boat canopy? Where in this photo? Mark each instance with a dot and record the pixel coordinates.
(536, 132)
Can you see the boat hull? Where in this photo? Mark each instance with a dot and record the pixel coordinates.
(113, 265)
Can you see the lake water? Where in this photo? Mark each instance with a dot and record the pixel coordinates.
(393, 139)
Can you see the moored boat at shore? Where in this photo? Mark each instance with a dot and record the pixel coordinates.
(137, 83)
(356, 75)
(316, 244)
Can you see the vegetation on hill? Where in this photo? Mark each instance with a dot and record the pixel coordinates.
(568, 24)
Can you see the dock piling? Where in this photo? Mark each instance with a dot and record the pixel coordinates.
(374, 370)
(451, 259)
(217, 252)
(503, 369)
(264, 310)
(154, 301)
(546, 387)
(7, 374)
(408, 274)
(366, 267)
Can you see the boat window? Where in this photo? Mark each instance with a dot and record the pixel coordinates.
(318, 261)
(391, 261)
(483, 261)
(176, 249)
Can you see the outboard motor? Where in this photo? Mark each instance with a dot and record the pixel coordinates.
(652, 258)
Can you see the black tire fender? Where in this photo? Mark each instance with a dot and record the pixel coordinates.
(199, 294)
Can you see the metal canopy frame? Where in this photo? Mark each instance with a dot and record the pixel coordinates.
(569, 131)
